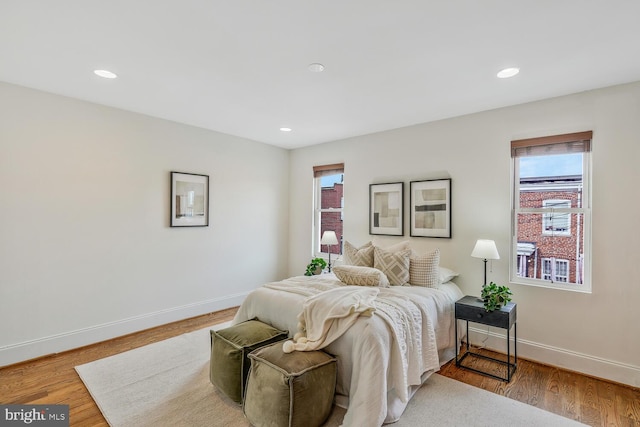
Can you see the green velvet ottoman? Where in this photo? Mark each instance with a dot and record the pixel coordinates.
(230, 347)
(289, 389)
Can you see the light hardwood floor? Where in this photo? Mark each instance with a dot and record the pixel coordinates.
(53, 380)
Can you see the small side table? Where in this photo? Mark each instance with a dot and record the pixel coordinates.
(471, 309)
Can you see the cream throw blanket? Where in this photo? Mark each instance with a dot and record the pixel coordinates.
(328, 315)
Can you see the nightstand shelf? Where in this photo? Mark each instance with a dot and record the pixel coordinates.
(471, 309)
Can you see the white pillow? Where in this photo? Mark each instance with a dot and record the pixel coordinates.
(446, 274)
(423, 269)
(395, 265)
(360, 276)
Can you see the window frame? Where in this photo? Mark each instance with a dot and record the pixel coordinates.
(583, 265)
(319, 173)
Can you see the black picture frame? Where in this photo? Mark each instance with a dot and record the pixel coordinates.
(189, 200)
(386, 209)
(430, 208)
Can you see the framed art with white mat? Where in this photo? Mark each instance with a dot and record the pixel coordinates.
(189, 200)
(430, 208)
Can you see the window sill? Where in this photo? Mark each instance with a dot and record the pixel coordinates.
(557, 285)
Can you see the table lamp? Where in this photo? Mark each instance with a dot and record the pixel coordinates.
(485, 249)
(329, 238)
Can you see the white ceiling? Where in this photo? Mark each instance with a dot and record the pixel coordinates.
(240, 66)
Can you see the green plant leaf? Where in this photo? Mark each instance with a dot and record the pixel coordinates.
(495, 296)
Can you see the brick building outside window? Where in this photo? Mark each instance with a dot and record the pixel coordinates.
(550, 245)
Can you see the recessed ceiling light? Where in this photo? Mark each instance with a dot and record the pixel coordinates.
(508, 72)
(285, 129)
(316, 67)
(105, 73)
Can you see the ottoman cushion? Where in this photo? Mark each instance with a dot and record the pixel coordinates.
(289, 389)
(230, 347)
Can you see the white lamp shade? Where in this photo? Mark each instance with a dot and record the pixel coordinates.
(329, 238)
(485, 249)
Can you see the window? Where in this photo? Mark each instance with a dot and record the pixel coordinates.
(555, 270)
(328, 206)
(551, 211)
(556, 221)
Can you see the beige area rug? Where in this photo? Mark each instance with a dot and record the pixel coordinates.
(167, 384)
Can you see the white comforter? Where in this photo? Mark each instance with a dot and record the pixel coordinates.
(374, 380)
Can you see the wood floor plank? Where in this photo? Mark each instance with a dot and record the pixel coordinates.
(553, 398)
(567, 392)
(595, 402)
(628, 406)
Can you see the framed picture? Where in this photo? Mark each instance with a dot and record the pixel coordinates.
(430, 208)
(386, 212)
(189, 200)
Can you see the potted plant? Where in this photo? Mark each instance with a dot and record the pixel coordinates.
(315, 266)
(495, 296)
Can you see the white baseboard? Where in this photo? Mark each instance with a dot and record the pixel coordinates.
(611, 370)
(14, 353)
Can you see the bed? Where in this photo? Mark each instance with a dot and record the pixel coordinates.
(380, 365)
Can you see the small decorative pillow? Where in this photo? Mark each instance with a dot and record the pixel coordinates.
(361, 276)
(423, 269)
(395, 265)
(362, 256)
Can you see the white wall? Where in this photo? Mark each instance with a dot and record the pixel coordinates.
(594, 333)
(86, 251)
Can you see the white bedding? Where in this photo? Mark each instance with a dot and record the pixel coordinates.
(369, 384)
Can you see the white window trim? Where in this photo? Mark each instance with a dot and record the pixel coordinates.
(585, 209)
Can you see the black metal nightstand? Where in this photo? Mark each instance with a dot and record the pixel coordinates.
(472, 309)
